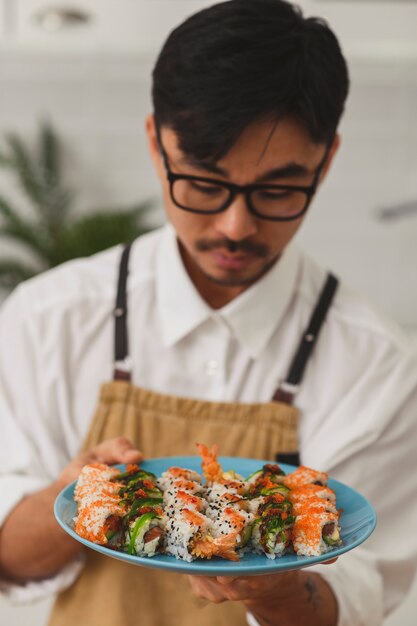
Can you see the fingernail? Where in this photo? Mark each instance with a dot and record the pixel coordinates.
(225, 580)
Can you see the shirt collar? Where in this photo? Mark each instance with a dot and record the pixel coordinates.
(251, 318)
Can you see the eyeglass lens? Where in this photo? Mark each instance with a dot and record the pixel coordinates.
(203, 196)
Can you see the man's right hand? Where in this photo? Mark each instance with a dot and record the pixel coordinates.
(118, 450)
(32, 544)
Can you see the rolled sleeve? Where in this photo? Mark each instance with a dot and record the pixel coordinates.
(34, 590)
(29, 460)
(14, 488)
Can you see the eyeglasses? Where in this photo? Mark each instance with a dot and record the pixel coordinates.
(207, 196)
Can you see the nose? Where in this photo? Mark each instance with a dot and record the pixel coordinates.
(236, 222)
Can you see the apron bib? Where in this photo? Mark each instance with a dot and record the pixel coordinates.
(112, 593)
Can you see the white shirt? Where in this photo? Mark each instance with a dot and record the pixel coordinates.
(358, 399)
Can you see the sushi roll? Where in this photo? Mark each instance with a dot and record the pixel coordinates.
(110, 503)
(136, 483)
(272, 530)
(93, 476)
(264, 486)
(189, 535)
(100, 519)
(313, 505)
(271, 471)
(144, 535)
(316, 533)
(174, 474)
(303, 476)
(175, 500)
(312, 491)
(234, 523)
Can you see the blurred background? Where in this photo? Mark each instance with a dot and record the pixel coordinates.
(75, 88)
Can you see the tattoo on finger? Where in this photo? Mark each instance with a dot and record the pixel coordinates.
(314, 596)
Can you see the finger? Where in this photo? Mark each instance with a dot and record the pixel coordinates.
(330, 561)
(236, 589)
(226, 580)
(118, 450)
(132, 456)
(205, 588)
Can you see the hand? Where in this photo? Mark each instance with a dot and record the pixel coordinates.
(246, 589)
(249, 590)
(295, 597)
(118, 450)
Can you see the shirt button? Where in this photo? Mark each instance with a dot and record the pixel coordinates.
(211, 367)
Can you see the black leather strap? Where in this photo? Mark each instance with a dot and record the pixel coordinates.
(121, 347)
(286, 391)
(291, 458)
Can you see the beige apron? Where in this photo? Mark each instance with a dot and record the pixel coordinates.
(112, 593)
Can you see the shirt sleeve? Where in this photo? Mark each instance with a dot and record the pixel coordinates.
(33, 591)
(370, 581)
(357, 585)
(24, 467)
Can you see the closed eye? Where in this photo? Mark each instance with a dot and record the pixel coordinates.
(269, 194)
(206, 188)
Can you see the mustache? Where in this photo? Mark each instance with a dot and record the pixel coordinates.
(246, 246)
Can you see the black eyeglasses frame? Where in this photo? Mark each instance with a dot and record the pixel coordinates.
(246, 190)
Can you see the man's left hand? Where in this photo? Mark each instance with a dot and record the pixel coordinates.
(249, 589)
(287, 598)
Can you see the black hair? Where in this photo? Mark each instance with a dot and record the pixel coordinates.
(241, 61)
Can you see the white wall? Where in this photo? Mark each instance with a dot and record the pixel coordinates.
(98, 105)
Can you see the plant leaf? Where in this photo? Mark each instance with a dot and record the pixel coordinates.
(26, 233)
(100, 230)
(49, 154)
(6, 161)
(26, 171)
(57, 198)
(13, 272)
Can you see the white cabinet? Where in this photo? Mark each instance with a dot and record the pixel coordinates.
(115, 25)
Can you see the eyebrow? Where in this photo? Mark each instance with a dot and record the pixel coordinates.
(289, 170)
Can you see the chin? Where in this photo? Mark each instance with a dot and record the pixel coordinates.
(234, 279)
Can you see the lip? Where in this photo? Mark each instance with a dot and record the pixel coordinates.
(231, 262)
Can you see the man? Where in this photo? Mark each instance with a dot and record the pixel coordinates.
(247, 100)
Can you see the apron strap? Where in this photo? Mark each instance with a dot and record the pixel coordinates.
(287, 389)
(122, 361)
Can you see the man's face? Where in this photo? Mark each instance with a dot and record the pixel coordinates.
(226, 252)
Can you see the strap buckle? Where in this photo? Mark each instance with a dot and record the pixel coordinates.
(286, 392)
(124, 365)
(123, 369)
(289, 387)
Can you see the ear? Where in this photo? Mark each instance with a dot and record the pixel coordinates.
(153, 145)
(332, 153)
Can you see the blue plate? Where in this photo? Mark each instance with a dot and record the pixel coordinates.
(358, 521)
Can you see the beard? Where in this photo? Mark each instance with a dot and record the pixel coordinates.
(235, 279)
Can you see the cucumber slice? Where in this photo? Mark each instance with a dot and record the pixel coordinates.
(139, 524)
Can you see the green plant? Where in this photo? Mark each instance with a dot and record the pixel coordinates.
(52, 234)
